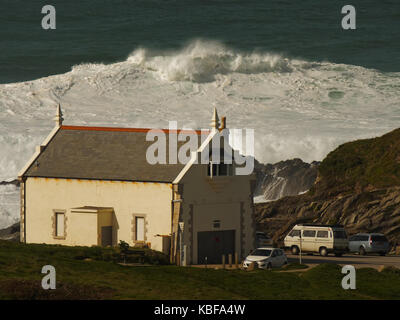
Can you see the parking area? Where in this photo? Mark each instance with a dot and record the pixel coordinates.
(368, 261)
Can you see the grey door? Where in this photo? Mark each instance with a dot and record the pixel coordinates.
(106, 236)
(213, 244)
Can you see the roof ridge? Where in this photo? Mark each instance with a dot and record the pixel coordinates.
(122, 129)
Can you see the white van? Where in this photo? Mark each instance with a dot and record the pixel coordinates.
(322, 239)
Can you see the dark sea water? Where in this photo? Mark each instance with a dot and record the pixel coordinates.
(107, 31)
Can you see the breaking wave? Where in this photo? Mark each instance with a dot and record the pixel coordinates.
(9, 205)
(201, 60)
(298, 109)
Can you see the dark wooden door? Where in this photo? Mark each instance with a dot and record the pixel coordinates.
(213, 244)
(106, 236)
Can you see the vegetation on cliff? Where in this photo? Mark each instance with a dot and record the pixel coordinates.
(358, 185)
(361, 165)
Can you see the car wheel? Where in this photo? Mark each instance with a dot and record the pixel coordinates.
(269, 266)
(382, 254)
(323, 252)
(295, 250)
(361, 251)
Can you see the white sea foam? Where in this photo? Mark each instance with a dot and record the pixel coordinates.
(297, 108)
(201, 61)
(9, 205)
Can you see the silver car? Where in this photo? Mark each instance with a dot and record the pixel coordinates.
(266, 258)
(364, 243)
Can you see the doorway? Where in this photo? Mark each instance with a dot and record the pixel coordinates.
(213, 244)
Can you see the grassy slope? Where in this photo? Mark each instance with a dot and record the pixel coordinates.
(24, 262)
(363, 163)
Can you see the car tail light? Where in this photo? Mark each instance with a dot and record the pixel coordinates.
(370, 241)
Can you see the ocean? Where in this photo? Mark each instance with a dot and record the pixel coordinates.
(286, 69)
(106, 31)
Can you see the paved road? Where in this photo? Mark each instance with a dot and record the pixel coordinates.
(374, 261)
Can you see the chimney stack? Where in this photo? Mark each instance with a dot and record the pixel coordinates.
(223, 124)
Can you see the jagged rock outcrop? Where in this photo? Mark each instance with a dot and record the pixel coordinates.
(14, 182)
(11, 233)
(358, 185)
(374, 211)
(285, 178)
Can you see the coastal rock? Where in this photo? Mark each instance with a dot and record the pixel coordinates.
(358, 185)
(10, 233)
(285, 178)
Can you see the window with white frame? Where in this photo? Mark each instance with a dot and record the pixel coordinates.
(219, 169)
(60, 224)
(139, 223)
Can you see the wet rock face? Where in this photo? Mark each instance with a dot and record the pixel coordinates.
(285, 178)
(358, 185)
(370, 211)
(14, 182)
(10, 233)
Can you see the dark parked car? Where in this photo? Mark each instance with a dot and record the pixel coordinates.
(364, 243)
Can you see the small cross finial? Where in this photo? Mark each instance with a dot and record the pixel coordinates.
(215, 120)
(59, 116)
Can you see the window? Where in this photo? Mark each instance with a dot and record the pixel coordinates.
(219, 169)
(139, 229)
(378, 238)
(295, 233)
(261, 252)
(216, 223)
(309, 233)
(60, 224)
(223, 169)
(322, 234)
(212, 169)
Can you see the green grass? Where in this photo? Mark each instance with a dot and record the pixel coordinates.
(101, 277)
(293, 266)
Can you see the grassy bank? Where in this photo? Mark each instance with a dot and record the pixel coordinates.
(92, 273)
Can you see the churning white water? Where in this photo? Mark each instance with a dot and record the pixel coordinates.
(298, 108)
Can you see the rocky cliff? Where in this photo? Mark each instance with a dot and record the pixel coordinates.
(358, 185)
(11, 233)
(285, 178)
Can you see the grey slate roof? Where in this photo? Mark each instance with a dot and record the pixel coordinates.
(101, 154)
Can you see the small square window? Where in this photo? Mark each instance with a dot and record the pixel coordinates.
(216, 223)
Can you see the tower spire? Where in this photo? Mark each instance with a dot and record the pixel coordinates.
(59, 116)
(215, 120)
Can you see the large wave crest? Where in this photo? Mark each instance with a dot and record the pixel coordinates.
(201, 60)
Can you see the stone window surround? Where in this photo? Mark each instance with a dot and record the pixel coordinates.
(54, 224)
(134, 216)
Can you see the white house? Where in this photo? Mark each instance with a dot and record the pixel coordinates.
(95, 186)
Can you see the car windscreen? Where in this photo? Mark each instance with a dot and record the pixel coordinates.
(339, 234)
(378, 239)
(261, 252)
